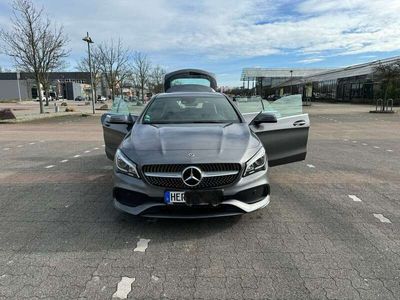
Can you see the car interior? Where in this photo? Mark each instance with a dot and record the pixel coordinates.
(188, 109)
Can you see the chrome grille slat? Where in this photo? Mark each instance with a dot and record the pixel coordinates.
(214, 175)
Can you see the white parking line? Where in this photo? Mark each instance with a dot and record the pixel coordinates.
(376, 147)
(124, 287)
(142, 245)
(310, 166)
(6, 149)
(381, 218)
(33, 143)
(50, 166)
(355, 198)
(389, 150)
(77, 156)
(354, 142)
(64, 161)
(96, 148)
(346, 140)
(364, 144)
(20, 146)
(87, 151)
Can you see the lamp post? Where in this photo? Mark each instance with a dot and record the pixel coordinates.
(19, 88)
(291, 82)
(89, 41)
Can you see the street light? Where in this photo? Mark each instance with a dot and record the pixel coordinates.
(291, 82)
(19, 88)
(89, 41)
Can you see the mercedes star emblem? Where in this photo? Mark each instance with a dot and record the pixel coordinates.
(192, 176)
(190, 154)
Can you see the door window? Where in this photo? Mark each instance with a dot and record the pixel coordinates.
(124, 106)
(250, 105)
(285, 106)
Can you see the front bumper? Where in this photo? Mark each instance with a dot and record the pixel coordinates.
(139, 198)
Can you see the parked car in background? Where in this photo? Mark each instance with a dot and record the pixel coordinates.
(101, 98)
(79, 98)
(272, 97)
(133, 99)
(44, 98)
(53, 96)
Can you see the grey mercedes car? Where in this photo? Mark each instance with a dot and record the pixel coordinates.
(193, 152)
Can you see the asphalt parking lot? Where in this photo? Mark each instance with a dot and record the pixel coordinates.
(332, 229)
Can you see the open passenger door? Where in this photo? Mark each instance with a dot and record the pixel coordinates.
(285, 138)
(117, 123)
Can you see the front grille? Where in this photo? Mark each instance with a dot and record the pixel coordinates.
(206, 182)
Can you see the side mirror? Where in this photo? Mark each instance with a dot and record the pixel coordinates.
(121, 119)
(264, 118)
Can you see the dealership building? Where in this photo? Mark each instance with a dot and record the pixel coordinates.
(261, 80)
(355, 83)
(67, 85)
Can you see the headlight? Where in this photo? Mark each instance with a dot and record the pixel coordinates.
(257, 163)
(124, 165)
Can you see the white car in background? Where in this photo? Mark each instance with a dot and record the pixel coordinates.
(101, 99)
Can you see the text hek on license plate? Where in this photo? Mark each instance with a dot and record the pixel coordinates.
(174, 197)
(194, 197)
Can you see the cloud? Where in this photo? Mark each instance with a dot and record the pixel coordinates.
(218, 29)
(310, 60)
(213, 31)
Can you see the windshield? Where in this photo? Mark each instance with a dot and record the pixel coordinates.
(183, 81)
(190, 109)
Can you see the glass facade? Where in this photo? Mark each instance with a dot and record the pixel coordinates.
(356, 89)
(324, 89)
(359, 89)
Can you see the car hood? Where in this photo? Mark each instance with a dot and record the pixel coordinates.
(190, 143)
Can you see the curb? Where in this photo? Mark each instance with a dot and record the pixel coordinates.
(43, 117)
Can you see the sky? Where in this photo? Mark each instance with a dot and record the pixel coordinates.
(224, 36)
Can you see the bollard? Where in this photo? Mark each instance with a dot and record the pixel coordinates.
(56, 108)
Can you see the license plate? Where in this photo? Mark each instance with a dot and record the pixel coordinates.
(174, 197)
(213, 198)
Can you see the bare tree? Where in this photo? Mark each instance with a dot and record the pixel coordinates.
(141, 71)
(156, 79)
(113, 63)
(35, 45)
(53, 44)
(389, 77)
(83, 66)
